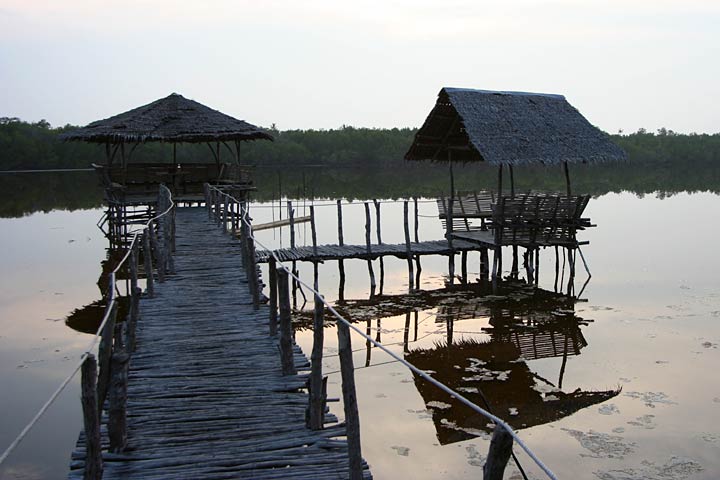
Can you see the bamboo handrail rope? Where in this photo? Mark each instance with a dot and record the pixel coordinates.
(413, 368)
(91, 345)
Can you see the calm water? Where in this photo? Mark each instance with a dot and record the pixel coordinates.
(649, 326)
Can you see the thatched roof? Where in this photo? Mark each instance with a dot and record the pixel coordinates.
(509, 128)
(170, 119)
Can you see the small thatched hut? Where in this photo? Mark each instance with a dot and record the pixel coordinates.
(173, 119)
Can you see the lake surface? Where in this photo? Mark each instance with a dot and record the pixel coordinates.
(649, 338)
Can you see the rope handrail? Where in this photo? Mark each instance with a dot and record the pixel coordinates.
(112, 299)
(413, 368)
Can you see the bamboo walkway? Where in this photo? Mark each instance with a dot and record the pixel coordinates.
(340, 252)
(206, 398)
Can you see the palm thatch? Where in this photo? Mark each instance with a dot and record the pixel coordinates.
(170, 119)
(509, 128)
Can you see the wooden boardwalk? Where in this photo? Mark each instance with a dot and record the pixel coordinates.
(339, 252)
(206, 398)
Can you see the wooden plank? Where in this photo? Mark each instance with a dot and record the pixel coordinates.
(280, 223)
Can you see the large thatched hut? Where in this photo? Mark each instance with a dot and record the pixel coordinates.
(507, 129)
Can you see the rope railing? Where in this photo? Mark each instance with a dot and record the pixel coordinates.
(95, 386)
(214, 194)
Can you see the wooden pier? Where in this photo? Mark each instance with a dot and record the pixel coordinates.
(206, 394)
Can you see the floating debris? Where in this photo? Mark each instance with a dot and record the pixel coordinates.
(439, 405)
(609, 409)
(651, 398)
(403, 451)
(513, 411)
(645, 421)
(677, 468)
(475, 458)
(602, 445)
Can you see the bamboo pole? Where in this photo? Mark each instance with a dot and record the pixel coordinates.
(408, 250)
(286, 349)
(371, 272)
(316, 408)
(272, 274)
(91, 419)
(105, 351)
(498, 454)
(341, 262)
(379, 241)
(352, 418)
(147, 256)
(117, 410)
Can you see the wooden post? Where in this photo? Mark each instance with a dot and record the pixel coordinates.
(341, 262)
(406, 333)
(254, 279)
(557, 268)
(133, 259)
(498, 454)
(313, 229)
(291, 220)
(352, 418)
(463, 267)
(132, 318)
(91, 420)
(416, 224)
(272, 274)
(105, 350)
(537, 266)
(226, 203)
(567, 178)
(484, 264)
(218, 217)
(117, 411)
(408, 251)
(369, 249)
(379, 241)
(159, 254)
(286, 350)
(316, 408)
(147, 256)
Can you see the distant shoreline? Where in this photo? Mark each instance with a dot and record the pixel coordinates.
(51, 170)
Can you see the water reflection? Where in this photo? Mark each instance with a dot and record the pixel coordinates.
(492, 364)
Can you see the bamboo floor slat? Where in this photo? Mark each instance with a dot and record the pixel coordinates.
(206, 398)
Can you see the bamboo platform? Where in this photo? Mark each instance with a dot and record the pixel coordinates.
(206, 398)
(340, 252)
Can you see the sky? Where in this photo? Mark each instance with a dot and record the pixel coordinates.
(625, 64)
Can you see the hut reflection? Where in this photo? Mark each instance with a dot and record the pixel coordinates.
(491, 365)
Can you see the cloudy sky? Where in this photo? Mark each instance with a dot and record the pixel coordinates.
(321, 64)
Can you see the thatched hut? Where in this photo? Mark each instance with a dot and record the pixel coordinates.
(509, 128)
(506, 129)
(173, 119)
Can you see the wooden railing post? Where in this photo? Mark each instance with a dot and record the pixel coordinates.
(105, 347)
(272, 277)
(352, 418)
(498, 454)
(316, 407)
(132, 319)
(91, 419)
(286, 349)
(159, 255)
(147, 256)
(117, 410)
(254, 277)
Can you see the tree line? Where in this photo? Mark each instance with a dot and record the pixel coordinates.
(368, 163)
